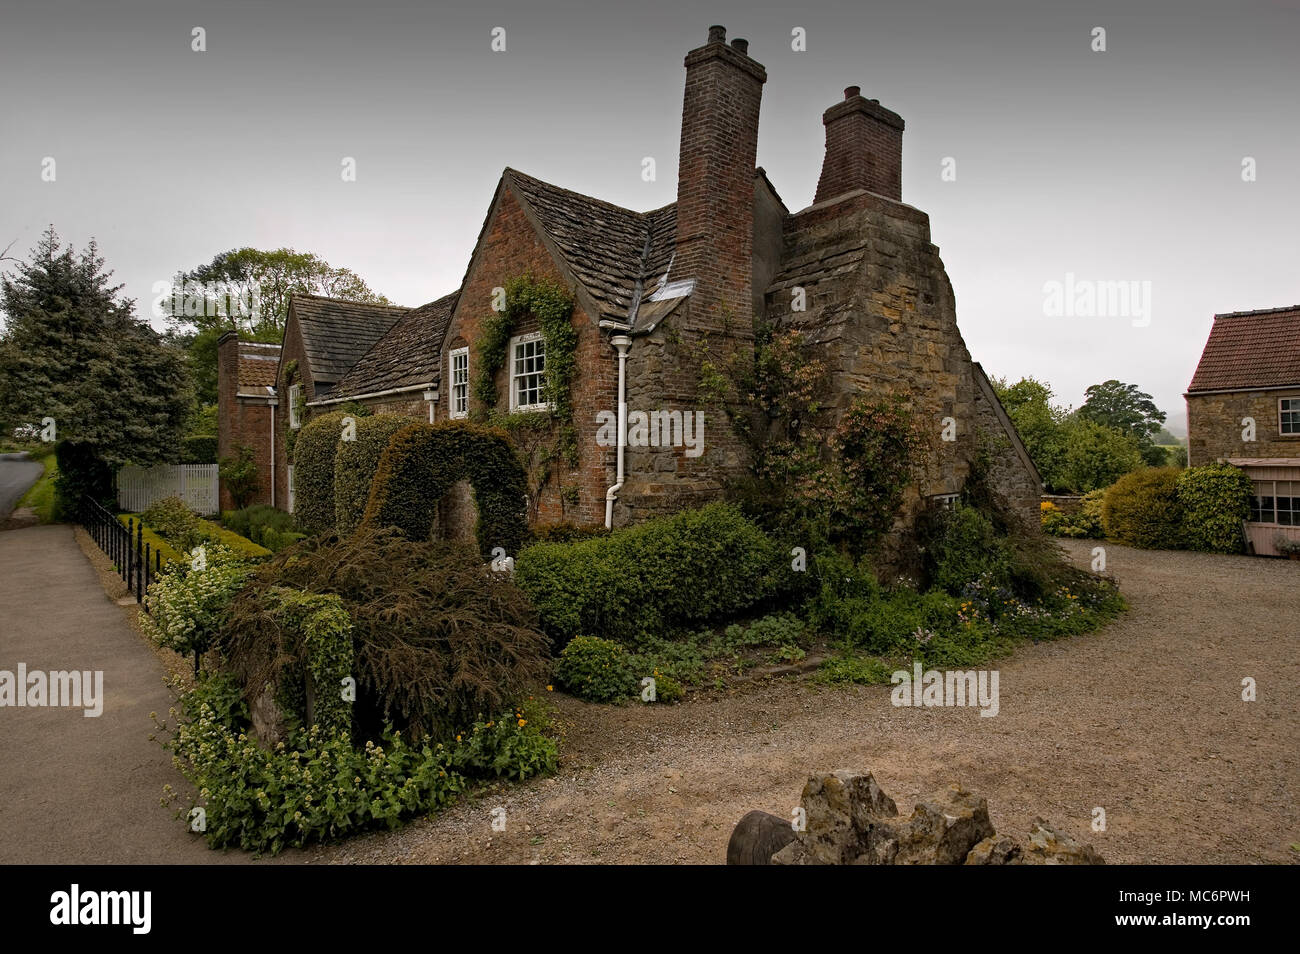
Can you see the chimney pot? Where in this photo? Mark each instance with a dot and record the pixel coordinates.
(740, 46)
(851, 91)
(717, 34)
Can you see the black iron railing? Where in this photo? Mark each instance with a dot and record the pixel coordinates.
(135, 561)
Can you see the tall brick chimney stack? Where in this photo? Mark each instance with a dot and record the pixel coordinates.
(864, 148)
(715, 177)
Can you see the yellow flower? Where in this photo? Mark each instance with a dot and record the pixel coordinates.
(457, 738)
(522, 723)
(550, 688)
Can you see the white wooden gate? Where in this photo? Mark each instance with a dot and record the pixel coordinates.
(196, 484)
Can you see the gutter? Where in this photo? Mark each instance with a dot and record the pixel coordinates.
(372, 394)
(622, 342)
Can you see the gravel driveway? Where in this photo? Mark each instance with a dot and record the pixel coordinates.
(1144, 719)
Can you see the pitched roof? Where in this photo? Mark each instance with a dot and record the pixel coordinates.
(337, 333)
(1251, 349)
(614, 252)
(407, 356)
(257, 367)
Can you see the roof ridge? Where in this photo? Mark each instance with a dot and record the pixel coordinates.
(347, 301)
(583, 195)
(1257, 311)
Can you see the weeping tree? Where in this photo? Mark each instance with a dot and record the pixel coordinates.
(77, 364)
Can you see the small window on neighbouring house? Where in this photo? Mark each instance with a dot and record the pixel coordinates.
(527, 372)
(295, 406)
(1288, 414)
(459, 373)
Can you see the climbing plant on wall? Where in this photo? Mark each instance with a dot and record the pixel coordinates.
(545, 436)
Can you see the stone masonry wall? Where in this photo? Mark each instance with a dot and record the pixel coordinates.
(1214, 426)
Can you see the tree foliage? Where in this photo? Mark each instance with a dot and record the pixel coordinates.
(73, 350)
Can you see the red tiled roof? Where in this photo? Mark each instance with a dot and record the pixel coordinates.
(257, 364)
(1251, 349)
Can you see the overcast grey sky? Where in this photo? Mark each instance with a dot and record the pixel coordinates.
(1123, 165)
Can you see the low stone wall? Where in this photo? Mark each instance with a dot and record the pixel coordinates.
(1066, 503)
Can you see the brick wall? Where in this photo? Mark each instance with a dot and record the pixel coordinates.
(1214, 426)
(511, 247)
(864, 149)
(241, 422)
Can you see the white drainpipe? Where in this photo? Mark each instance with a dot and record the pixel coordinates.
(272, 403)
(622, 343)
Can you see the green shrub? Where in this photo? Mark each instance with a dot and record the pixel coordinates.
(667, 689)
(172, 520)
(1215, 500)
(641, 581)
(595, 669)
(1083, 523)
(81, 473)
(783, 629)
(185, 610)
(423, 461)
(438, 637)
(307, 641)
(850, 668)
(964, 548)
(199, 449)
(156, 543)
(565, 532)
(313, 472)
(253, 522)
(1142, 509)
(514, 744)
(239, 474)
(277, 540)
(315, 787)
(355, 466)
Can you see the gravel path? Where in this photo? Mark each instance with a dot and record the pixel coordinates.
(1144, 719)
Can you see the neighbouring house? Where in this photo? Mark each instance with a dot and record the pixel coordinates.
(246, 401)
(1243, 407)
(658, 292)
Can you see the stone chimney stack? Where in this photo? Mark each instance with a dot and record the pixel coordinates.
(864, 148)
(715, 178)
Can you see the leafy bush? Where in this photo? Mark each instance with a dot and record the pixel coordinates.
(355, 465)
(172, 520)
(564, 532)
(965, 548)
(307, 639)
(1096, 455)
(239, 475)
(199, 449)
(1083, 523)
(639, 582)
(264, 525)
(783, 629)
(667, 689)
(850, 668)
(1215, 499)
(514, 744)
(81, 473)
(595, 669)
(316, 787)
(186, 610)
(1286, 546)
(313, 472)
(423, 461)
(1142, 509)
(438, 637)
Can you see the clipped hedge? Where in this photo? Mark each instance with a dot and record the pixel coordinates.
(1215, 499)
(207, 532)
(355, 466)
(423, 461)
(313, 472)
(635, 583)
(1142, 509)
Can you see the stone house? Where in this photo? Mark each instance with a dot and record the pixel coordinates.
(1243, 407)
(658, 292)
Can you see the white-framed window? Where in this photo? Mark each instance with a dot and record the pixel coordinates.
(1276, 502)
(290, 482)
(1288, 416)
(458, 374)
(295, 406)
(527, 372)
